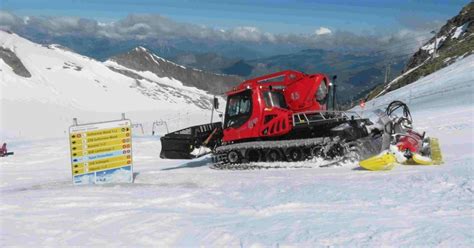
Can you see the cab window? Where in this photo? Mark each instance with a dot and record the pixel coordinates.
(239, 109)
(274, 99)
(322, 92)
(238, 105)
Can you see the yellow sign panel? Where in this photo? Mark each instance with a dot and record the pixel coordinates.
(101, 161)
(109, 165)
(79, 140)
(101, 152)
(102, 147)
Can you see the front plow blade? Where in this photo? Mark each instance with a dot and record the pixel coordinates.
(436, 151)
(435, 157)
(422, 160)
(385, 161)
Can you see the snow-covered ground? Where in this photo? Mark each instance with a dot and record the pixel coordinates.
(186, 204)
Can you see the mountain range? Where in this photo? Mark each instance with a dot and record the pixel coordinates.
(141, 59)
(357, 73)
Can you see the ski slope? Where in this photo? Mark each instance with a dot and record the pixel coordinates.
(65, 85)
(186, 204)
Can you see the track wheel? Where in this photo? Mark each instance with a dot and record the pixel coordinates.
(353, 152)
(295, 154)
(253, 155)
(233, 157)
(274, 155)
(334, 151)
(316, 151)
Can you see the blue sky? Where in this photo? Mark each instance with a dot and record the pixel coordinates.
(277, 16)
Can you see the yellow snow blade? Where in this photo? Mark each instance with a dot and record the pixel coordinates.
(421, 160)
(384, 161)
(436, 157)
(436, 151)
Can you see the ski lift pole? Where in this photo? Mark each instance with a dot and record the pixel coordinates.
(212, 114)
(166, 125)
(215, 105)
(334, 92)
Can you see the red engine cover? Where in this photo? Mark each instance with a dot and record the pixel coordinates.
(301, 96)
(411, 141)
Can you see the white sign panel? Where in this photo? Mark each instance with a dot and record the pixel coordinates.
(101, 152)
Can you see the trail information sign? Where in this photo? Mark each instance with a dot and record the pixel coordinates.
(101, 152)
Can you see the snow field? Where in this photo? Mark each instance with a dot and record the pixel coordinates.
(184, 203)
(180, 203)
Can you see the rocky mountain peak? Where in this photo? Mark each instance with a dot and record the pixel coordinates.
(454, 41)
(142, 59)
(457, 30)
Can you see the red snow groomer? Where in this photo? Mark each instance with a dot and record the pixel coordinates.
(285, 116)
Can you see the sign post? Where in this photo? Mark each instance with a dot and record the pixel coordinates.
(101, 152)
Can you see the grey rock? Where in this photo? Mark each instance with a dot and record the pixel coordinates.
(14, 62)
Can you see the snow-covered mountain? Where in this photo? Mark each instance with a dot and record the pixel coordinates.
(44, 87)
(140, 59)
(453, 42)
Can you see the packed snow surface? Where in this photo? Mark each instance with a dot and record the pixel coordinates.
(187, 204)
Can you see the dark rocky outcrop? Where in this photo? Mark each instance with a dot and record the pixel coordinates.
(14, 62)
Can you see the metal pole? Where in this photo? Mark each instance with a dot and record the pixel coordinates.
(435, 44)
(212, 109)
(166, 125)
(389, 71)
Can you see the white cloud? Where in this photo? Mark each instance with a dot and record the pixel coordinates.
(149, 26)
(322, 31)
(8, 20)
(251, 34)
